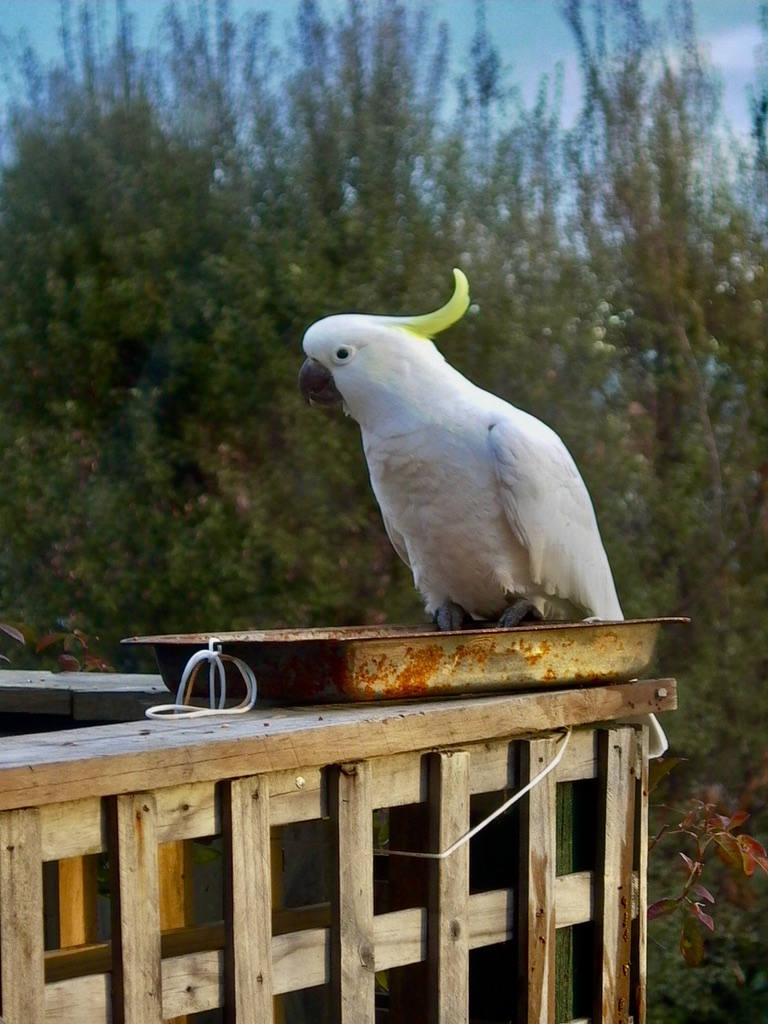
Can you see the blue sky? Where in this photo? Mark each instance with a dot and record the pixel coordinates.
(530, 34)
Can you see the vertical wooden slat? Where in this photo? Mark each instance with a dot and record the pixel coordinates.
(136, 968)
(22, 980)
(564, 946)
(613, 877)
(248, 900)
(78, 891)
(352, 940)
(409, 887)
(640, 948)
(174, 867)
(536, 896)
(448, 922)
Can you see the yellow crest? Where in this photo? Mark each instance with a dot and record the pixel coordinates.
(427, 325)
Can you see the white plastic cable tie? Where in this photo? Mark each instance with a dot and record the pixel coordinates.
(217, 687)
(562, 743)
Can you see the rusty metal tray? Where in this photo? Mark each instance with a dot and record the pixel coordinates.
(362, 663)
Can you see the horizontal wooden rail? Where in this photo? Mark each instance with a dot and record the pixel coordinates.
(109, 760)
(133, 798)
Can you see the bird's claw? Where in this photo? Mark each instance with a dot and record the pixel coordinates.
(449, 616)
(518, 611)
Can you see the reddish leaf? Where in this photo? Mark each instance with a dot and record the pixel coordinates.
(693, 866)
(12, 632)
(691, 943)
(717, 822)
(737, 819)
(48, 641)
(704, 893)
(69, 663)
(728, 850)
(752, 855)
(662, 908)
(700, 915)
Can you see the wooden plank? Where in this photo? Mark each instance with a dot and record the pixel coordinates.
(536, 942)
(574, 899)
(493, 767)
(448, 920)
(399, 780)
(192, 984)
(76, 1000)
(49, 768)
(297, 796)
(353, 967)
(409, 887)
(301, 960)
(491, 917)
(75, 828)
(248, 904)
(189, 811)
(613, 875)
(580, 759)
(640, 876)
(136, 950)
(22, 976)
(78, 892)
(400, 938)
(174, 868)
(84, 696)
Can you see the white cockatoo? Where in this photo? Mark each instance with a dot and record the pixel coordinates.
(481, 500)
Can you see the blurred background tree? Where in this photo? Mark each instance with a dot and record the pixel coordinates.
(174, 215)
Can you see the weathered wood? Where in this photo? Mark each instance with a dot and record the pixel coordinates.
(399, 780)
(422, 936)
(448, 921)
(613, 877)
(120, 758)
(353, 964)
(248, 903)
(408, 887)
(536, 915)
(73, 829)
(136, 972)
(297, 796)
(21, 917)
(83, 696)
(78, 891)
(76, 1000)
(640, 908)
(174, 862)
(574, 899)
(301, 960)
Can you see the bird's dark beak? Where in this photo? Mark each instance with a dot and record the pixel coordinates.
(317, 384)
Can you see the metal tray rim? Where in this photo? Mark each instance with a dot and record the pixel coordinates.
(377, 634)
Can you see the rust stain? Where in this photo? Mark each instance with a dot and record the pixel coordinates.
(416, 671)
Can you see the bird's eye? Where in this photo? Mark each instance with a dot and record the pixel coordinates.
(342, 354)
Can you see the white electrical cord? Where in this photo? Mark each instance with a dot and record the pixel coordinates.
(217, 687)
(563, 744)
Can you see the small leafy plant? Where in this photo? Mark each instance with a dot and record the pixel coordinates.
(74, 646)
(705, 831)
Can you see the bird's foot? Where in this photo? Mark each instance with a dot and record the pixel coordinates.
(449, 616)
(520, 611)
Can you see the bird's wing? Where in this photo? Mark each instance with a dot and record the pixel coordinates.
(548, 507)
(395, 538)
